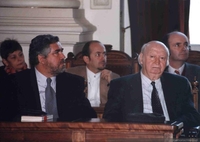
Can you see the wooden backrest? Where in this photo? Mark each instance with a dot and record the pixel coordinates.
(117, 61)
(194, 57)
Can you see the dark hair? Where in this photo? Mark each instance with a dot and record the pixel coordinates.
(40, 46)
(9, 46)
(86, 47)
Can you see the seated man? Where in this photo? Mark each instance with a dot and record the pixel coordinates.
(178, 46)
(46, 87)
(152, 90)
(97, 77)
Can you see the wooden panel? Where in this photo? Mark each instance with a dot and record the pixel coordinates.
(194, 57)
(93, 130)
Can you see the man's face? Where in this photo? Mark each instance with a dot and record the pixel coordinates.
(15, 60)
(55, 60)
(178, 46)
(97, 59)
(154, 60)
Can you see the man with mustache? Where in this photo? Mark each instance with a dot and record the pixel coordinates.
(178, 45)
(63, 97)
(97, 77)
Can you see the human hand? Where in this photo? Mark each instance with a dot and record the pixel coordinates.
(106, 74)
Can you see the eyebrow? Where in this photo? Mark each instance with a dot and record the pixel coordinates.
(58, 50)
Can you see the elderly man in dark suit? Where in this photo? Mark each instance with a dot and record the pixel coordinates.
(46, 87)
(178, 45)
(132, 94)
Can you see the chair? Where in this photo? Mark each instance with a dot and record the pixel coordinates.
(194, 57)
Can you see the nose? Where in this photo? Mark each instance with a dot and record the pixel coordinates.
(62, 56)
(157, 60)
(185, 47)
(20, 58)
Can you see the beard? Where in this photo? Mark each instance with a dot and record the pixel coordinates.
(55, 70)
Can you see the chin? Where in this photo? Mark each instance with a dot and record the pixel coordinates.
(101, 68)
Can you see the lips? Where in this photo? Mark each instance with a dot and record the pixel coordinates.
(20, 64)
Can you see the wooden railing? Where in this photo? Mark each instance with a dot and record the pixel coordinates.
(90, 131)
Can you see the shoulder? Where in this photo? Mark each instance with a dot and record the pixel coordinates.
(24, 73)
(176, 79)
(192, 66)
(126, 79)
(115, 75)
(66, 75)
(2, 71)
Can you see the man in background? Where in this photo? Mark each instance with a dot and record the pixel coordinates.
(178, 45)
(97, 77)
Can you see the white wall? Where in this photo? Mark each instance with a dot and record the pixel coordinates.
(194, 25)
(106, 21)
(194, 22)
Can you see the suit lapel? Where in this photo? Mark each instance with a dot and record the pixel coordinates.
(135, 97)
(168, 96)
(35, 89)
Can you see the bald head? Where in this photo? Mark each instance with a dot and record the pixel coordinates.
(154, 58)
(178, 45)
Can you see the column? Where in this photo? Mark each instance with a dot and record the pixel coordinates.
(25, 19)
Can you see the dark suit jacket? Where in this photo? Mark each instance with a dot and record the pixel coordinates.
(71, 101)
(125, 97)
(190, 71)
(3, 72)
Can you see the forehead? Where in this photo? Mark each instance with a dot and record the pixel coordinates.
(15, 52)
(55, 46)
(156, 49)
(178, 37)
(97, 47)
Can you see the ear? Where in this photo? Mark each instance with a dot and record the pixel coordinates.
(5, 62)
(140, 58)
(167, 63)
(41, 59)
(86, 59)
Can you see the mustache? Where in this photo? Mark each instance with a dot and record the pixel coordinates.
(63, 61)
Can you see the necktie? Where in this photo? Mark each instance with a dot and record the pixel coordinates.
(50, 102)
(177, 72)
(155, 101)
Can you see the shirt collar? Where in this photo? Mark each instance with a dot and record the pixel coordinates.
(147, 80)
(92, 75)
(171, 69)
(41, 79)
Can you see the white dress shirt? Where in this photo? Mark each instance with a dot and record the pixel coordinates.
(172, 70)
(147, 90)
(42, 84)
(93, 82)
